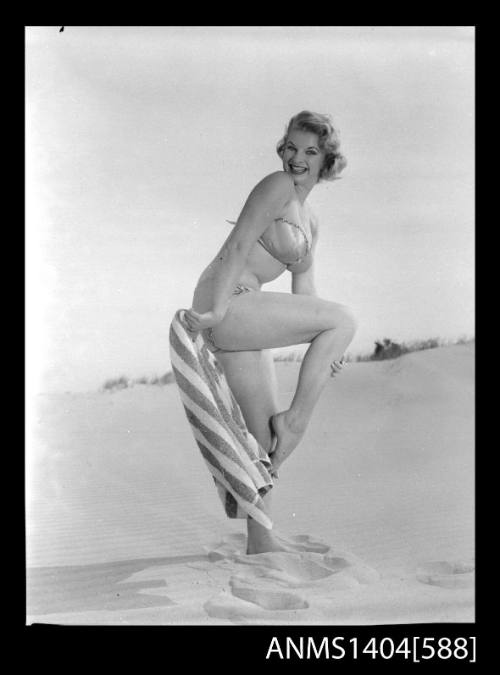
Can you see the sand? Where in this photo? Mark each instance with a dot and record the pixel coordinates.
(124, 525)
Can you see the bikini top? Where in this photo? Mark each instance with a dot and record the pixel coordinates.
(285, 241)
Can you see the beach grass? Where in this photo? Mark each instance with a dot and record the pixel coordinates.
(384, 349)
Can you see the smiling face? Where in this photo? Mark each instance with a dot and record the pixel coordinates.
(302, 157)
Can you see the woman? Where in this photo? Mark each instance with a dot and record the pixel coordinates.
(275, 231)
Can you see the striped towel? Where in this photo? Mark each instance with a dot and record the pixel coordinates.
(240, 467)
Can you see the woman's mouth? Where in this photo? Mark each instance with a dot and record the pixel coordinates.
(298, 170)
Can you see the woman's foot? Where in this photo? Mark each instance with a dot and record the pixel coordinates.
(288, 436)
(264, 542)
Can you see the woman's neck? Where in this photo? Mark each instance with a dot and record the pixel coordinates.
(303, 191)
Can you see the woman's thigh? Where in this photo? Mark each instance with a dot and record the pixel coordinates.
(252, 379)
(266, 320)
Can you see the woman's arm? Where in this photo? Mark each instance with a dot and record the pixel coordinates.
(303, 273)
(264, 204)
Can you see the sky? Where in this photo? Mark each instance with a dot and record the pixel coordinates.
(142, 141)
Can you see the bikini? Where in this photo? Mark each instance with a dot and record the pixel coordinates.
(287, 242)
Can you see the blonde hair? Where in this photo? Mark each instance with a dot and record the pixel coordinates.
(329, 141)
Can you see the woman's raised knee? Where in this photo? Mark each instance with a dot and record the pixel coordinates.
(342, 317)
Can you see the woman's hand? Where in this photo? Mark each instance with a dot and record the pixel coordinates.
(336, 367)
(197, 322)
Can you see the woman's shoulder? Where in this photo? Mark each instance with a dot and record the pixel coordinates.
(279, 177)
(278, 182)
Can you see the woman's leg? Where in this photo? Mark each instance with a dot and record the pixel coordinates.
(290, 425)
(262, 320)
(252, 380)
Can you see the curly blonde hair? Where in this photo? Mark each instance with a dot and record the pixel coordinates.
(328, 137)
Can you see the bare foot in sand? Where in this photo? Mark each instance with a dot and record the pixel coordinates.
(264, 543)
(288, 437)
(261, 540)
(267, 542)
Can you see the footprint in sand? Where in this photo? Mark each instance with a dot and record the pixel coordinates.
(315, 573)
(355, 567)
(267, 598)
(264, 585)
(268, 581)
(267, 572)
(230, 608)
(304, 542)
(458, 574)
(299, 569)
(291, 568)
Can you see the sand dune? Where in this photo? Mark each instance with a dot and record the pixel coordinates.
(124, 525)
